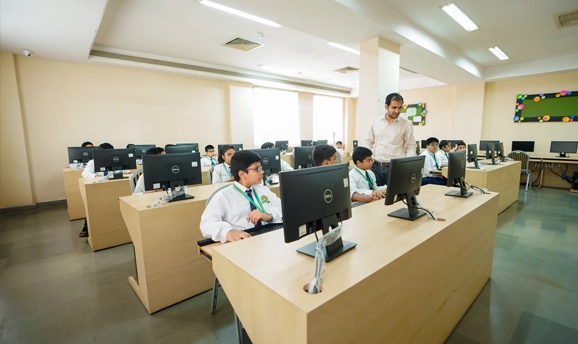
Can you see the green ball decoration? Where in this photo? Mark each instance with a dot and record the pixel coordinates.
(521, 118)
(519, 96)
(418, 104)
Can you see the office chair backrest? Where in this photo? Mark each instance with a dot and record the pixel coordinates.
(134, 179)
(214, 192)
(210, 172)
(522, 157)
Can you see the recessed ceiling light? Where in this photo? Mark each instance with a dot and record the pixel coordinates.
(453, 11)
(499, 53)
(342, 47)
(239, 13)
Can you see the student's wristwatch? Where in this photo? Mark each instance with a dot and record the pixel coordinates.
(271, 217)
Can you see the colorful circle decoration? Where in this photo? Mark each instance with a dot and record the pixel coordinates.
(418, 104)
(563, 92)
(566, 119)
(558, 95)
(541, 94)
(541, 121)
(546, 118)
(536, 99)
(420, 124)
(519, 96)
(543, 97)
(405, 106)
(424, 112)
(517, 110)
(521, 107)
(521, 118)
(569, 93)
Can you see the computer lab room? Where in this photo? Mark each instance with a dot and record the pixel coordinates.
(305, 171)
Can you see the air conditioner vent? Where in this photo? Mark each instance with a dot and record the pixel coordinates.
(566, 19)
(242, 44)
(347, 70)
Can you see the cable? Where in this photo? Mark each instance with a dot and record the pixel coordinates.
(419, 207)
(470, 186)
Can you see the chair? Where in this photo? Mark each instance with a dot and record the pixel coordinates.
(134, 179)
(210, 172)
(524, 158)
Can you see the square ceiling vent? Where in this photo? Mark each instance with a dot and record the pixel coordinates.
(242, 44)
(347, 70)
(566, 19)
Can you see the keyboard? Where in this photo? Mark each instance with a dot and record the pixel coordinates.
(253, 231)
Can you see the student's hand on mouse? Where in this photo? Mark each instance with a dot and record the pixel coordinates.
(369, 198)
(379, 194)
(236, 235)
(255, 216)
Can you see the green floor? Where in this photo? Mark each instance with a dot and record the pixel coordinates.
(54, 289)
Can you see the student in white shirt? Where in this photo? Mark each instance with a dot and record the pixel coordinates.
(445, 149)
(222, 172)
(433, 161)
(284, 165)
(140, 184)
(339, 147)
(324, 155)
(244, 205)
(209, 159)
(362, 183)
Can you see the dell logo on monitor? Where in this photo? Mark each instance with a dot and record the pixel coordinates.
(175, 169)
(413, 177)
(85, 153)
(116, 159)
(265, 161)
(309, 156)
(328, 196)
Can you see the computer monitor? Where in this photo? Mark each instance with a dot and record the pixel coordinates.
(457, 174)
(321, 205)
(403, 183)
(499, 149)
(237, 146)
(171, 171)
(282, 145)
(306, 143)
(80, 155)
(140, 150)
(302, 157)
(424, 144)
(473, 155)
(563, 147)
(270, 160)
(173, 149)
(454, 143)
(196, 150)
(524, 146)
(319, 142)
(355, 144)
(114, 160)
(483, 144)
(490, 153)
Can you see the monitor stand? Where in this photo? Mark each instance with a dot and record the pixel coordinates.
(476, 166)
(412, 212)
(462, 192)
(118, 174)
(182, 197)
(332, 251)
(562, 155)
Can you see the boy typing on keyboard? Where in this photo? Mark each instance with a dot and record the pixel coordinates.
(245, 204)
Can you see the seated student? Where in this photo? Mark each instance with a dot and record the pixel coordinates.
(324, 155)
(340, 148)
(244, 205)
(222, 172)
(362, 183)
(130, 145)
(140, 184)
(284, 165)
(433, 160)
(461, 146)
(445, 148)
(209, 158)
(87, 144)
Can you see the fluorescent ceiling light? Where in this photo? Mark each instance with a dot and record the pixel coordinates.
(499, 53)
(453, 11)
(342, 47)
(280, 70)
(239, 13)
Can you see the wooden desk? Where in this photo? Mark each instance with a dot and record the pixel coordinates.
(72, 191)
(165, 239)
(547, 177)
(504, 178)
(106, 227)
(205, 175)
(288, 158)
(404, 282)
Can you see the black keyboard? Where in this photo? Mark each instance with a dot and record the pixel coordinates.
(264, 229)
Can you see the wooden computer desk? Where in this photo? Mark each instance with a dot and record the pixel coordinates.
(547, 177)
(504, 178)
(106, 226)
(168, 267)
(288, 158)
(72, 191)
(205, 174)
(404, 282)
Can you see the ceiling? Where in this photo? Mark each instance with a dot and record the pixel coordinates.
(185, 31)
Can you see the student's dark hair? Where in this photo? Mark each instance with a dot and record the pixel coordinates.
(267, 145)
(444, 143)
(338, 143)
(360, 153)
(393, 96)
(222, 152)
(155, 151)
(207, 147)
(322, 153)
(130, 145)
(241, 161)
(432, 140)
(461, 143)
(85, 144)
(105, 145)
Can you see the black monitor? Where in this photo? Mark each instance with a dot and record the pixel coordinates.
(563, 147)
(490, 153)
(524, 146)
(483, 144)
(454, 143)
(181, 148)
(195, 144)
(319, 142)
(403, 183)
(170, 171)
(114, 160)
(355, 144)
(457, 174)
(282, 145)
(499, 149)
(80, 155)
(302, 157)
(473, 155)
(424, 144)
(270, 160)
(306, 143)
(322, 204)
(140, 150)
(237, 146)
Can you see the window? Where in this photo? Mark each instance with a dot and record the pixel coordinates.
(327, 118)
(276, 116)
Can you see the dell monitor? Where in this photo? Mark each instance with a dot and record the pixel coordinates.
(237, 146)
(171, 171)
(114, 160)
(403, 184)
(196, 146)
(355, 144)
(524, 146)
(424, 144)
(174, 149)
(473, 155)
(457, 174)
(490, 153)
(319, 142)
(140, 150)
(563, 147)
(499, 148)
(483, 144)
(80, 155)
(454, 143)
(270, 160)
(320, 206)
(302, 157)
(282, 145)
(306, 143)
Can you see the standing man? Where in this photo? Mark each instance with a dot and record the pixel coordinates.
(390, 137)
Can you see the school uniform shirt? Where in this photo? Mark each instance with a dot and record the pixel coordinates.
(89, 170)
(221, 173)
(358, 182)
(208, 161)
(444, 156)
(285, 166)
(140, 186)
(228, 209)
(431, 163)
